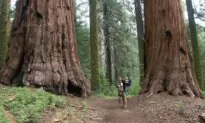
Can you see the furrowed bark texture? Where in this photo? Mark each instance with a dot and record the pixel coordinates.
(168, 60)
(42, 50)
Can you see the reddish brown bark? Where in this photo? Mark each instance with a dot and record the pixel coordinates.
(42, 49)
(168, 61)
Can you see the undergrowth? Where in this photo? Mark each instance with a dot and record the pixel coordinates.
(26, 104)
(3, 119)
(108, 91)
(203, 94)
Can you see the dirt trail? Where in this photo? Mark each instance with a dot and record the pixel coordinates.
(10, 116)
(160, 108)
(110, 111)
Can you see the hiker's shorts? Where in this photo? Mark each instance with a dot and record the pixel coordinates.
(125, 93)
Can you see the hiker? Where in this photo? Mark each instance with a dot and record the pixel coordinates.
(120, 89)
(126, 84)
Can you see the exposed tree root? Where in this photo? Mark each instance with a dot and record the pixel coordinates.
(174, 84)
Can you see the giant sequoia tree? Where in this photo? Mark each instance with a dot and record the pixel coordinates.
(42, 48)
(168, 61)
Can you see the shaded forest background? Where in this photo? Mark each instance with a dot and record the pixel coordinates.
(123, 40)
(120, 41)
(121, 53)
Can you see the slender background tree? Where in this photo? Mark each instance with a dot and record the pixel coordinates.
(4, 15)
(194, 42)
(106, 13)
(94, 45)
(140, 36)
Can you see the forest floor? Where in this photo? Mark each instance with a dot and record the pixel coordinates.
(35, 105)
(161, 108)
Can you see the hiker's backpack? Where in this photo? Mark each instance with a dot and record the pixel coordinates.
(129, 83)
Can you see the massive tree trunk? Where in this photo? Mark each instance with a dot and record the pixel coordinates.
(42, 48)
(94, 45)
(107, 42)
(4, 7)
(194, 42)
(140, 35)
(168, 60)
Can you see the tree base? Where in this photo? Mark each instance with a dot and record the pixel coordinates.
(182, 84)
(168, 62)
